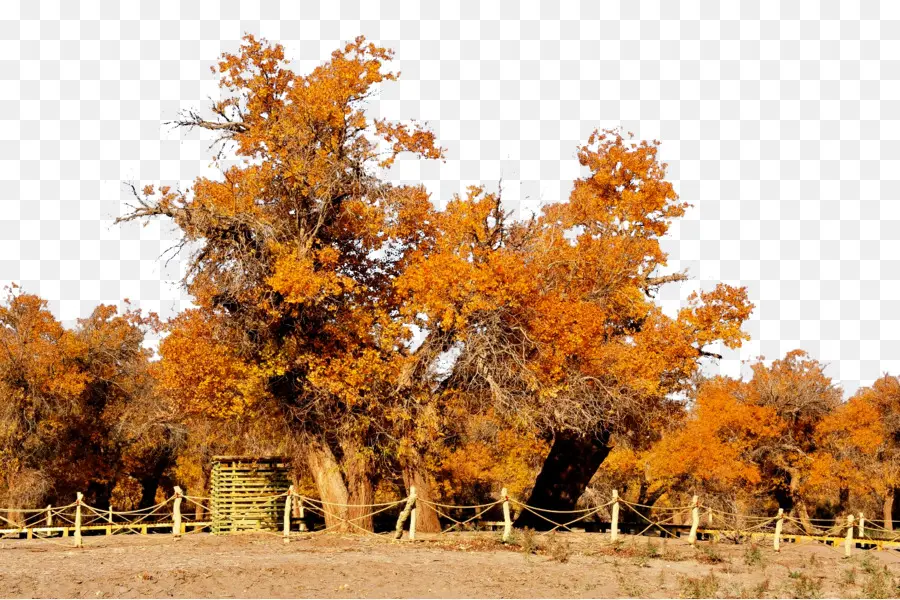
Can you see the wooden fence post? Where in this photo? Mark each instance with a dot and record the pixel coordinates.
(778, 525)
(412, 514)
(176, 514)
(49, 516)
(614, 526)
(287, 514)
(507, 520)
(78, 498)
(862, 526)
(301, 513)
(404, 514)
(848, 541)
(695, 520)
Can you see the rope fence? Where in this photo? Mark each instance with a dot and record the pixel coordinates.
(82, 521)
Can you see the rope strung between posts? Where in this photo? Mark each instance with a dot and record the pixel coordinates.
(563, 512)
(658, 524)
(323, 511)
(37, 523)
(457, 523)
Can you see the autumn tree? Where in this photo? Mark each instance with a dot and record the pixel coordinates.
(68, 401)
(552, 322)
(715, 452)
(297, 247)
(40, 385)
(756, 437)
(860, 445)
(125, 429)
(317, 272)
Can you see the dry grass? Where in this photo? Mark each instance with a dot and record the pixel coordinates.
(460, 564)
(706, 586)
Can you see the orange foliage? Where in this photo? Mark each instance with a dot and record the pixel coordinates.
(716, 444)
(753, 438)
(66, 397)
(861, 441)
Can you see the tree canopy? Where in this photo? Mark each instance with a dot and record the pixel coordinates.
(383, 342)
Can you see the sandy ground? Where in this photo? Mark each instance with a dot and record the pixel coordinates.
(459, 565)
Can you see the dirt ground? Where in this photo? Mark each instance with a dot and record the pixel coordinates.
(456, 566)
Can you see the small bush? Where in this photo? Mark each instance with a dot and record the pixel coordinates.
(651, 550)
(849, 577)
(528, 543)
(698, 587)
(709, 555)
(806, 587)
(762, 588)
(629, 587)
(558, 548)
(869, 565)
(753, 556)
(879, 585)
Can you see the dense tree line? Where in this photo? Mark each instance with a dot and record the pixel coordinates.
(382, 343)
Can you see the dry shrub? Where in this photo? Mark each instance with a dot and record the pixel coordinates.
(558, 549)
(753, 556)
(804, 586)
(709, 554)
(880, 584)
(698, 587)
(26, 488)
(529, 543)
(629, 586)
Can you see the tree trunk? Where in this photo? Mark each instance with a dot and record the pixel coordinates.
(566, 472)
(98, 494)
(840, 510)
(327, 474)
(798, 501)
(149, 485)
(295, 506)
(150, 481)
(414, 475)
(198, 507)
(359, 473)
(647, 498)
(887, 509)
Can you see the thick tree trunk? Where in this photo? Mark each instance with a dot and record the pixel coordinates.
(798, 502)
(198, 507)
(887, 509)
(414, 475)
(566, 472)
(359, 474)
(149, 485)
(98, 494)
(840, 509)
(647, 498)
(150, 482)
(327, 474)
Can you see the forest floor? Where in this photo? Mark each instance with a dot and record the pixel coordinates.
(450, 566)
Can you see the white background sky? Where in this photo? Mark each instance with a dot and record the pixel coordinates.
(778, 121)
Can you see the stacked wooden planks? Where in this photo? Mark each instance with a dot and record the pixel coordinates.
(245, 492)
